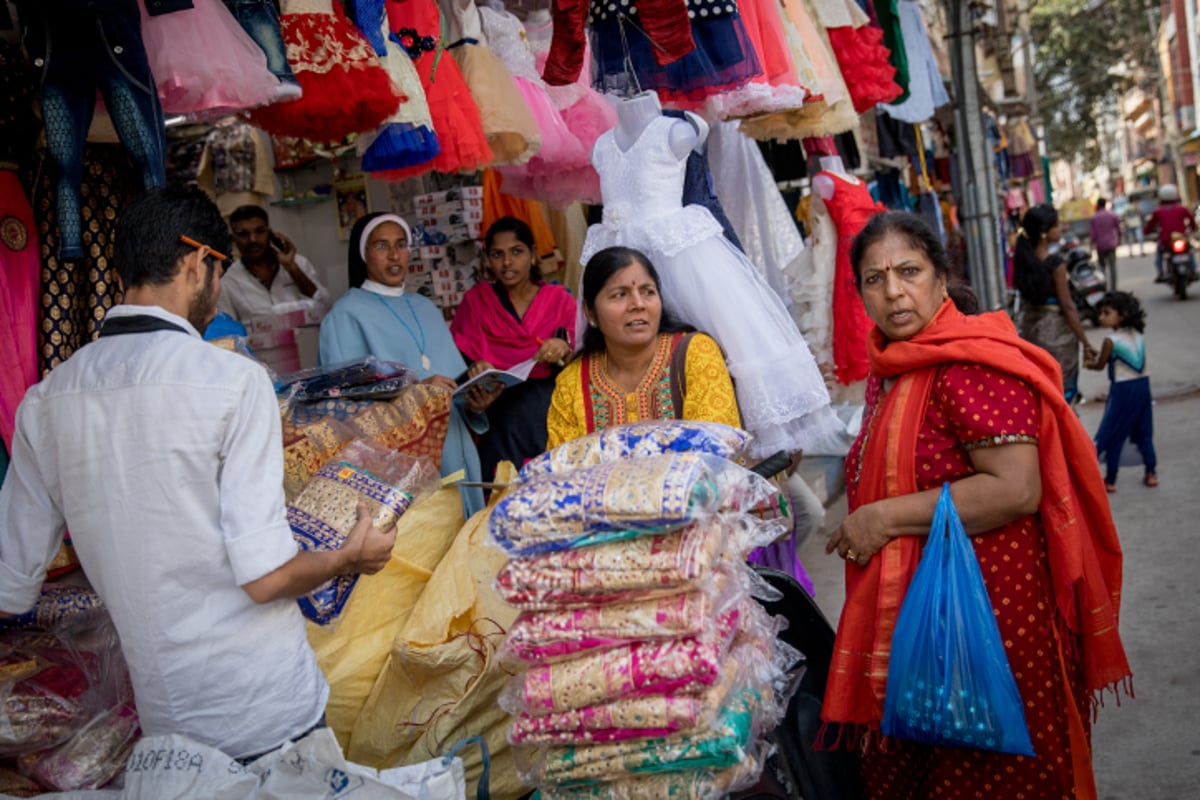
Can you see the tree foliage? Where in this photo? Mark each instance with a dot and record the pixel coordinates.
(1078, 43)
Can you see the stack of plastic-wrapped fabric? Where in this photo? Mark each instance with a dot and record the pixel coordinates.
(645, 666)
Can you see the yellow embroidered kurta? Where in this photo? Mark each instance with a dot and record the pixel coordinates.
(576, 411)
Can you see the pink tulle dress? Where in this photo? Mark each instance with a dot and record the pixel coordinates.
(587, 114)
(204, 64)
(562, 153)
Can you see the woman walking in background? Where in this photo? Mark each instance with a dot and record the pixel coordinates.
(1049, 318)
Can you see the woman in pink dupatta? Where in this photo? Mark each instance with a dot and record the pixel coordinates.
(514, 319)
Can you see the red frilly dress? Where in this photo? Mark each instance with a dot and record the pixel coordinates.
(346, 88)
(417, 25)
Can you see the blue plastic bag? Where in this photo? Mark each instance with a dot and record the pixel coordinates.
(949, 682)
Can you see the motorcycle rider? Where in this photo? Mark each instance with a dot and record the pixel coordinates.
(1169, 218)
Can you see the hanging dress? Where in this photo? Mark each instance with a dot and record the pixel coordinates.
(825, 113)
(407, 138)
(20, 270)
(765, 228)
(850, 207)
(562, 153)
(926, 91)
(417, 26)
(587, 115)
(778, 87)
(509, 123)
(346, 89)
(858, 47)
(626, 61)
(220, 71)
(710, 284)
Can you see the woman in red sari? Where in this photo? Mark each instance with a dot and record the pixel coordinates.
(963, 399)
(513, 319)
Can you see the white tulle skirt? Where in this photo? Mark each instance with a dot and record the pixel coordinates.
(711, 285)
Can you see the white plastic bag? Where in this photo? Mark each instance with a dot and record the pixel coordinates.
(176, 768)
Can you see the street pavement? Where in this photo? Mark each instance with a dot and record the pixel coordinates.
(1149, 747)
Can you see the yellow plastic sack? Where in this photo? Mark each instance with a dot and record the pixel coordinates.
(443, 676)
(353, 650)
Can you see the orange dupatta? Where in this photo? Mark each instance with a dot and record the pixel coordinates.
(1084, 552)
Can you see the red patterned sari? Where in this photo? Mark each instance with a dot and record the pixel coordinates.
(1053, 577)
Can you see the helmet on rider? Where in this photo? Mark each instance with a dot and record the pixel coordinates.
(1168, 193)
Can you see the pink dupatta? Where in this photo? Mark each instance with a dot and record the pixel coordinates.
(485, 330)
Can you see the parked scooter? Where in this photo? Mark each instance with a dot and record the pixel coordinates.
(1087, 281)
(1181, 265)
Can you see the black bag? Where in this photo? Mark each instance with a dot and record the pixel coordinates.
(798, 770)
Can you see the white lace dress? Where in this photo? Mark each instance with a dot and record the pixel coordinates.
(710, 284)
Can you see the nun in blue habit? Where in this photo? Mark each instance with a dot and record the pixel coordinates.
(378, 317)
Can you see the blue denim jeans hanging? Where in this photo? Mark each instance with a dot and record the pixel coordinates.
(80, 53)
(260, 19)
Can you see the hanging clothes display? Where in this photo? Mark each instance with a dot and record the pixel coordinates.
(858, 47)
(235, 167)
(764, 226)
(407, 137)
(220, 71)
(811, 279)
(887, 15)
(346, 89)
(417, 26)
(777, 87)
(698, 187)
(260, 20)
(497, 204)
(829, 111)
(561, 151)
(512, 130)
(82, 51)
(659, 20)
(570, 230)
(1021, 149)
(584, 110)
(684, 50)
(77, 293)
(710, 284)
(850, 207)
(926, 91)
(19, 267)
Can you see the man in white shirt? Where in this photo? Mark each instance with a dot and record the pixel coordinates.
(163, 456)
(270, 277)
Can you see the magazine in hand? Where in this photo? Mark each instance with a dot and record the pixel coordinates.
(517, 373)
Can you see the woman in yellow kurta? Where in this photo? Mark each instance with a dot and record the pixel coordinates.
(636, 362)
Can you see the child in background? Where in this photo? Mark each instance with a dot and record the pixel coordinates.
(1128, 414)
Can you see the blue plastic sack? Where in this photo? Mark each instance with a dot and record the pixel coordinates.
(949, 682)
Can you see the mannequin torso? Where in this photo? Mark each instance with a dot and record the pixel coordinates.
(635, 113)
(823, 184)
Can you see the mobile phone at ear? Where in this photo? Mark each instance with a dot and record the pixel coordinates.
(276, 242)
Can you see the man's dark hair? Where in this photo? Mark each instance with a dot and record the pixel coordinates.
(146, 244)
(243, 213)
(1101, 203)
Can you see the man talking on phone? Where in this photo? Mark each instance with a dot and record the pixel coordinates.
(270, 277)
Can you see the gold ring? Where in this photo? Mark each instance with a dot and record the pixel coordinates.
(850, 555)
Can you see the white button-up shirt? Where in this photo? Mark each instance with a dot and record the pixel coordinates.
(163, 456)
(243, 296)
